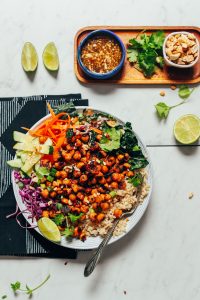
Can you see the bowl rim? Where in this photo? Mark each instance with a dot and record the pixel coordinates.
(95, 74)
(172, 64)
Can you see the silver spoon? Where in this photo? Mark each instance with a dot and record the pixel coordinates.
(91, 264)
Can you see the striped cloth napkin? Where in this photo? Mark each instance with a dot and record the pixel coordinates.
(15, 113)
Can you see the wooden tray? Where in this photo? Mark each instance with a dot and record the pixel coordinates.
(129, 75)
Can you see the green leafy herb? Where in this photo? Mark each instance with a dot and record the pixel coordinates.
(69, 133)
(68, 232)
(74, 218)
(66, 107)
(50, 178)
(138, 162)
(58, 219)
(17, 287)
(147, 52)
(51, 149)
(59, 206)
(162, 110)
(53, 172)
(128, 139)
(136, 180)
(184, 91)
(110, 139)
(92, 137)
(4, 297)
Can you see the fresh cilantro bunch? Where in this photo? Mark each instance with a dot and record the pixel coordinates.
(146, 52)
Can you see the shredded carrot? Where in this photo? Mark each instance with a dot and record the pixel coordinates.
(50, 109)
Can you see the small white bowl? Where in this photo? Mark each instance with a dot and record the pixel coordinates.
(172, 64)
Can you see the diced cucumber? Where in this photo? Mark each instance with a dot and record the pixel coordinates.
(48, 142)
(44, 149)
(24, 147)
(15, 163)
(33, 159)
(43, 171)
(22, 137)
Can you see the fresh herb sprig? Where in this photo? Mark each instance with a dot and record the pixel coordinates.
(16, 287)
(146, 52)
(163, 109)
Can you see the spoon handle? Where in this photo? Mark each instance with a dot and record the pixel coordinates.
(91, 264)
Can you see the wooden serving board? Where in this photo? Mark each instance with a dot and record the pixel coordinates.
(129, 75)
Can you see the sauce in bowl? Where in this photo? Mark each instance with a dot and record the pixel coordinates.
(101, 54)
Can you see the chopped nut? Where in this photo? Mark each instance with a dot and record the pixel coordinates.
(191, 195)
(173, 87)
(162, 93)
(182, 49)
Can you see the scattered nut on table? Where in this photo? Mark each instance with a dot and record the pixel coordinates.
(190, 195)
(182, 49)
(162, 93)
(173, 87)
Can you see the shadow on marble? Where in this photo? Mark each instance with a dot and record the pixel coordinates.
(188, 150)
(31, 75)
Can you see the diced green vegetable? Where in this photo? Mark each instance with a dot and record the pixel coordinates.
(113, 194)
(50, 178)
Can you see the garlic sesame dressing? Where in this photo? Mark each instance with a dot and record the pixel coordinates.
(101, 55)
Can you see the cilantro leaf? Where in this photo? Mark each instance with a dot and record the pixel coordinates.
(58, 219)
(138, 162)
(184, 91)
(136, 180)
(73, 218)
(4, 297)
(68, 232)
(132, 55)
(15, 286)
(146, 52)
(162, 110)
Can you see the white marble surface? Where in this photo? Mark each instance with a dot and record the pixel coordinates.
(160, 259)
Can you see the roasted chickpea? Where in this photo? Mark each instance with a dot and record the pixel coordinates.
(80, 196)
(127, 165)
(94, 205)
(104, 169)
(127, 156)
(67, 182)
(92, 216)
(117, 213)
(77, 155)
(109, 179)
(75, 188)
(69, 147)
(115, 176)
(98, 137)
(110, 161)
(52, 213)
(80, 165)
(130, 174)
(67, 157)
(94, 191)
(58, 174)
(72, 197)
(102, 180)
(108, 197)
(64, 200)
(76, 174)
(114, 185)
(45, 213)
(88, 190)
(63, 174)
(120, 157)
(93, 181)
(105, 206)
(78, 143)
(42, 139)
(84, 209)
(45, 193)
(85, 138)
(83, 178)
(53, 194)
(100, 217)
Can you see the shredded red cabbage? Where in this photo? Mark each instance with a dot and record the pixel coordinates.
(31, 197)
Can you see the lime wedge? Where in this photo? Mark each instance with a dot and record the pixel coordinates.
(50, 57)
(49, 229)
(29, 57)
(187, 129)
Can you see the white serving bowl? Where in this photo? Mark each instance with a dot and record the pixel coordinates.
(171, 63)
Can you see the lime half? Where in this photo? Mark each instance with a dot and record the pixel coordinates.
(49, 229)
(50, 57)
(187, 129)
(29, 57)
